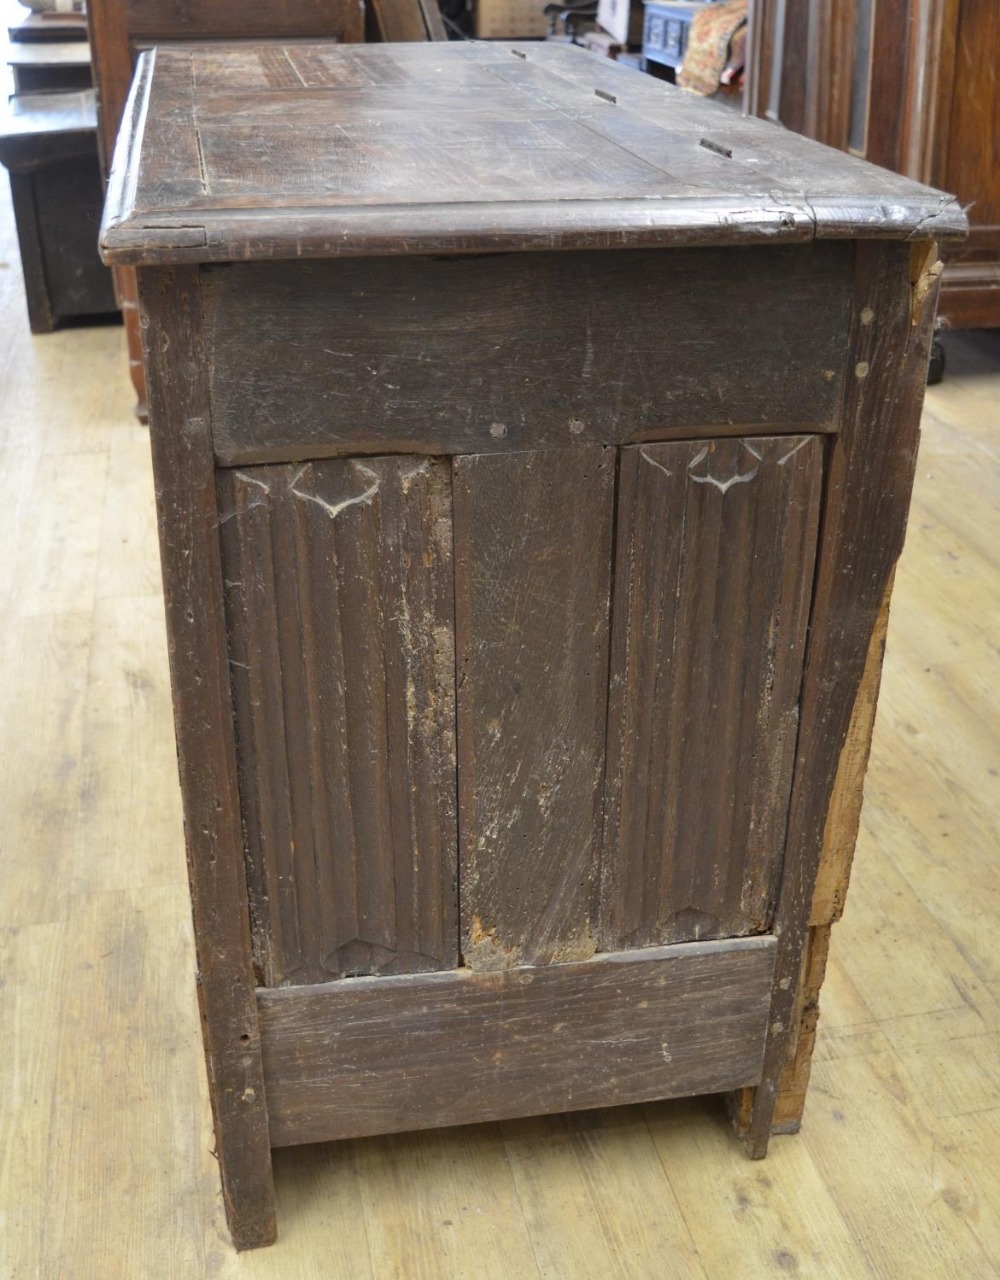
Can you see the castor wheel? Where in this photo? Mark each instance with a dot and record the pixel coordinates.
(935, 370)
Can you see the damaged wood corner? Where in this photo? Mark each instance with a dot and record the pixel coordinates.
(925, 272)
(839, 839)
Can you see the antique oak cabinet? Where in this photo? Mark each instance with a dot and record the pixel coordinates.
(533, 445)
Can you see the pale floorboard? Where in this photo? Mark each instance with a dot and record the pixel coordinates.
(106, 1168)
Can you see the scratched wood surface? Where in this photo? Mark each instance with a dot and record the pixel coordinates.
(533, 577)
(370, 1056)
(105, 1128)
(191, 559)
(715, 548)
(321, 152)
(341, 614)
(867, 485)
(506, 352)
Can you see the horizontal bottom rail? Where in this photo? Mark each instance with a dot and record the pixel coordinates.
(365, 1056)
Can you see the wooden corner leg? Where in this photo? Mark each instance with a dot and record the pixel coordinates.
(242, 1146)
(839, 839)
(184, 473)
(126, 291)
(871, 463)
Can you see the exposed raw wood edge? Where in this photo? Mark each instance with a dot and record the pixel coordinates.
(844, 816)
(925, 270)
(794, 1081)
(124, 175)
(839, 839)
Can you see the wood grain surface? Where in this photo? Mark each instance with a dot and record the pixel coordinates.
(423, 148)
(105, 1127)
(206, 755)
(413, 1052)
(867, 486)
(533, 576)
(339, 587)
(514, 352)
(715, 548)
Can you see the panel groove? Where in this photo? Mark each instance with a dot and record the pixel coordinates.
(340, 598)
(714, 563)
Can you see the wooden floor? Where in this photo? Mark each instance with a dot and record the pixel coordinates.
(106, 1165)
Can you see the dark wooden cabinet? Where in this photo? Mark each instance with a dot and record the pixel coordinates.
(121, 29)
(511, 676)
(48, 144)
(908, 84)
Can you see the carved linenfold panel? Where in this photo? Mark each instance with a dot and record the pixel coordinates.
(715, 549)
(340, 604)
(533, 568)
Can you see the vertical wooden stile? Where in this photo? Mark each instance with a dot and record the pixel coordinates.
(184, 475)
(533, 570)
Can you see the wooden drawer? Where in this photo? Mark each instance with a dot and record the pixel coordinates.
(510, 352)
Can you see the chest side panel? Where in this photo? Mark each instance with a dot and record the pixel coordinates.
(715, 549)
(500, 353)
(533, 568)
(339, 602)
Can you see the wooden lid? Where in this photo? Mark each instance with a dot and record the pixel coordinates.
(322, 150)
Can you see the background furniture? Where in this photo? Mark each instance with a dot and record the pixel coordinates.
(519, 700)
(664, 35)
(120, 29)
(31, 27)
(48, 142)
(395, 21)
(47, 66)
(911, 85)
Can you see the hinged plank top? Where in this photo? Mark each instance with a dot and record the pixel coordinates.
(323, 150)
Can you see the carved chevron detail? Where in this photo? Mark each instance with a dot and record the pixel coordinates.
(704, 700)
(340, 601)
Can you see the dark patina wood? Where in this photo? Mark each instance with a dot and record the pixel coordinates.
(533, 575)
(187, 514)
(48, 145)
(120, 28)
(340, 603)
(520, 590)
(915, 91)
(867, 486)
(381, 1055)
(506, 352)
(715, 548)
(551, 150)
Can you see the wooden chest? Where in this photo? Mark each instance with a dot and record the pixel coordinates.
(533, 445)
(48, 143)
